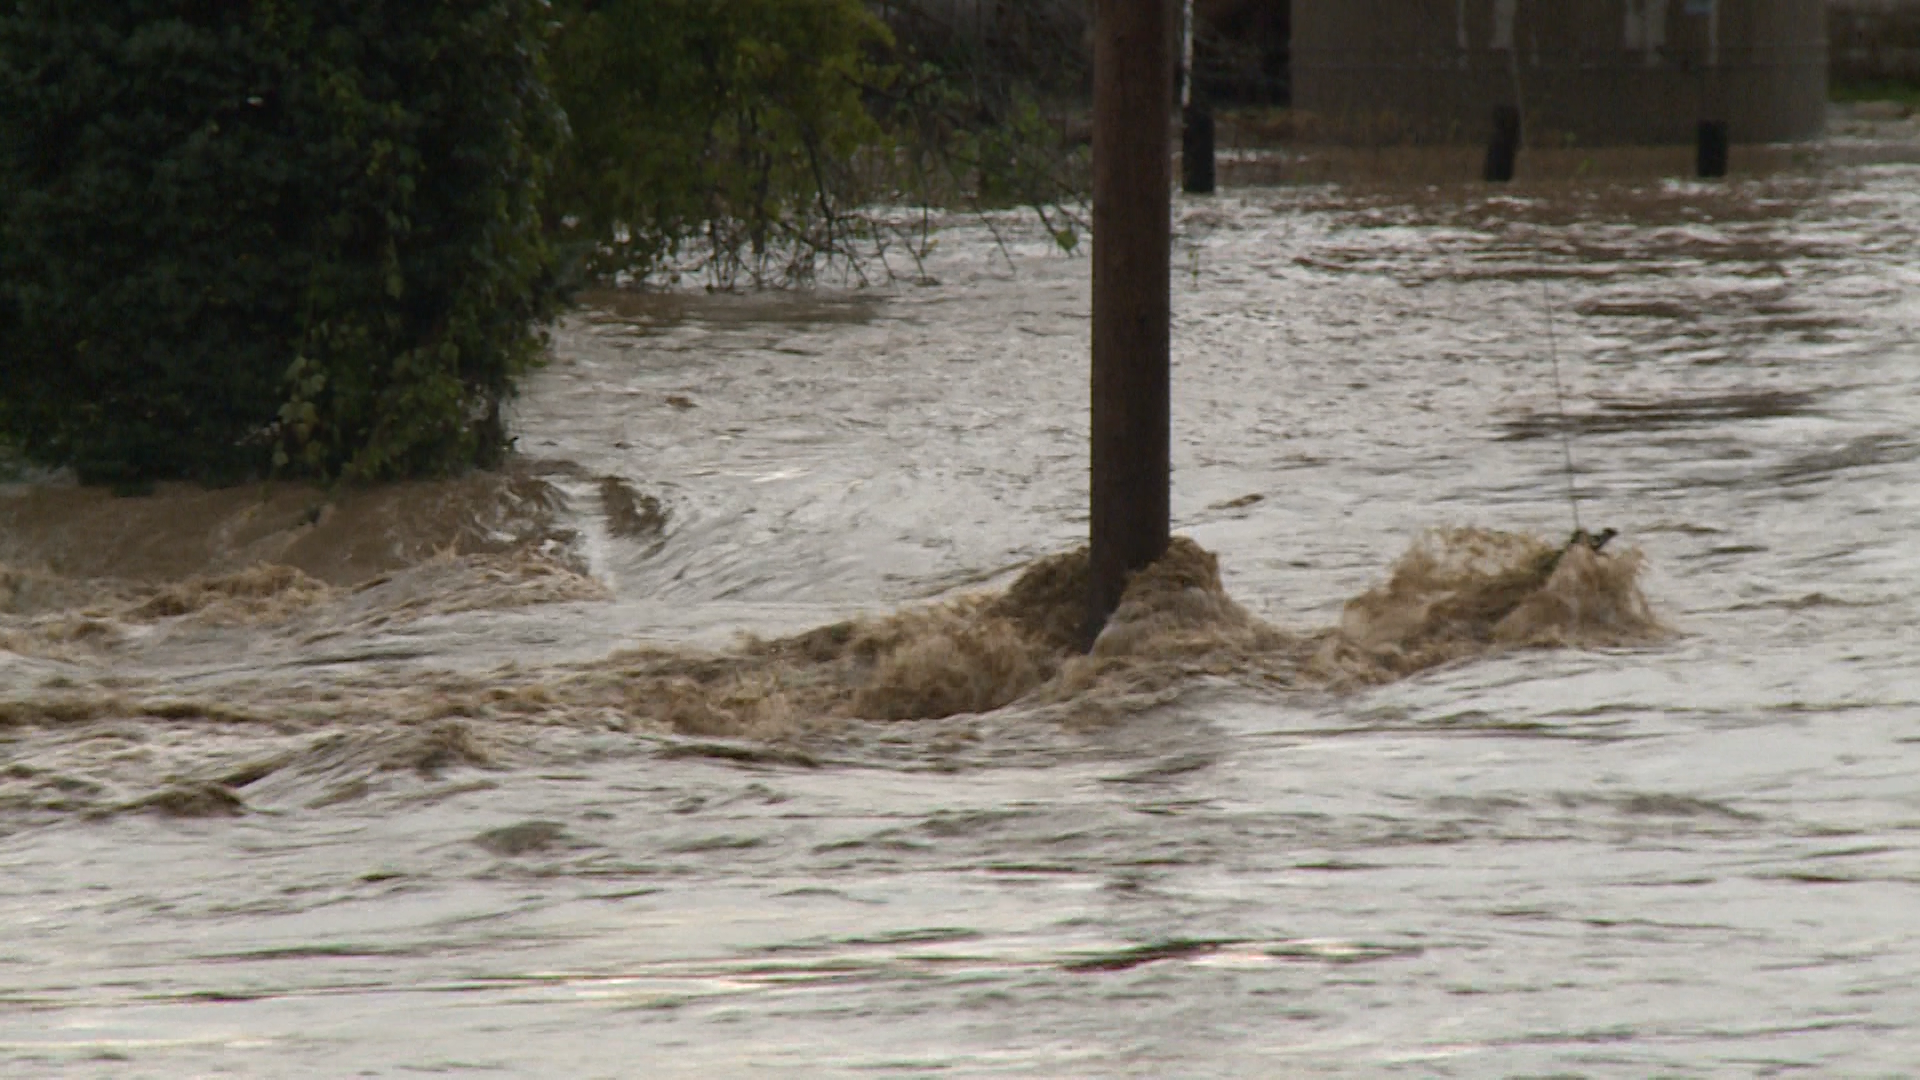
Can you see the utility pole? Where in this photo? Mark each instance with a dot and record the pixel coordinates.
(1132, 243)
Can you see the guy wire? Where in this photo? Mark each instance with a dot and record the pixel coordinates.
(1560, 406)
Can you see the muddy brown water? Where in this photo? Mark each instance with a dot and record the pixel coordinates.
(587, 769)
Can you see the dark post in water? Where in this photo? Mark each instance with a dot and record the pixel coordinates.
(1196, 149)
(1132, 241)
(1505, 145)
(1711, 160)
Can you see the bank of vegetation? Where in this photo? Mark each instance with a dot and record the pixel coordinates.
(320, 237)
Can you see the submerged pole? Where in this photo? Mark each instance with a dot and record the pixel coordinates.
(1196, 119)
(1504, 147)
(1196, 149)
(1132, 242)
(1710, 152)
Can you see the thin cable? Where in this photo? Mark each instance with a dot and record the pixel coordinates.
(1560, 406)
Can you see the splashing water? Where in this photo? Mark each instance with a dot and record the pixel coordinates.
(1457, 594)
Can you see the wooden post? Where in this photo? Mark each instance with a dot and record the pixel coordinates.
(1710, 156)
(1504, 146)
(1196, 149)
(1132, 243)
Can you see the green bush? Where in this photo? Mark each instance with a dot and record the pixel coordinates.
(300, 234)
(727, 124)
(755, 141)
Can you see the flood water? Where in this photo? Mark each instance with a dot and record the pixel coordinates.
(482, 777)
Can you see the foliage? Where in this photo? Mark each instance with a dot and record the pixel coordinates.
(1895, 90)
(758, 139)
(953, 145)
(293, 233)
(738, 122)
(985, 114)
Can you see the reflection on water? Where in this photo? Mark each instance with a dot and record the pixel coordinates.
(734, 730)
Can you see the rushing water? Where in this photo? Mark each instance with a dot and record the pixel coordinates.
(478, 780)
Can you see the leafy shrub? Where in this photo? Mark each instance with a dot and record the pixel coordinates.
(729, 124)
(754, 140)
(293, 233)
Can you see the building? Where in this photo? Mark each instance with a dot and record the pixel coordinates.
(1591, 73)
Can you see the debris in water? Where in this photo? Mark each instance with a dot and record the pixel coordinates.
(191, 801)
(1123, 959)
(742, 753)
(526, 838)
(630, 513)
(445, 745)
(1596, 541)
(256, 594)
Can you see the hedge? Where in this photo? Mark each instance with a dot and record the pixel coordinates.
(270, 236)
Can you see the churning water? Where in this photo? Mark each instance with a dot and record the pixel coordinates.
(733, 731)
